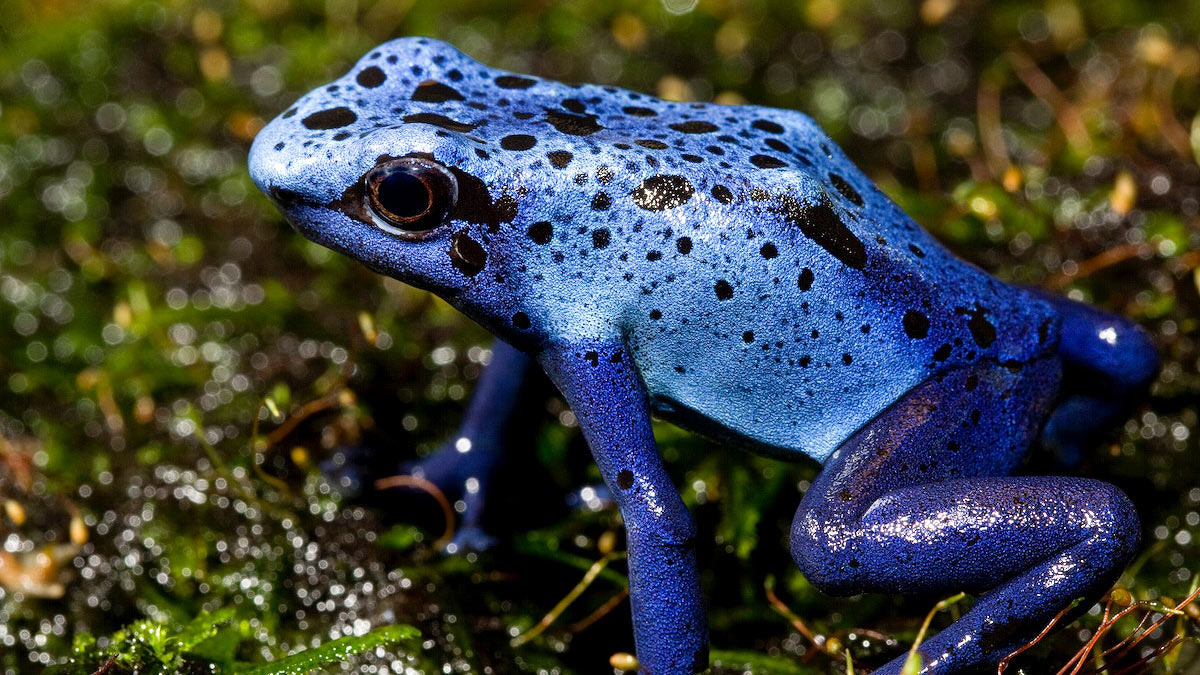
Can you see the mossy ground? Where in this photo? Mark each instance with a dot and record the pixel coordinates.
(151, 300)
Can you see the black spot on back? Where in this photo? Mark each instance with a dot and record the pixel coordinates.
(332, 118)
(573, 125)
(601, 201)
(684, 245)
(982, 330)
(651, 143)
(767, 162)
(371, 77)
(514, 82)
(722, 194)
(805, 280)
(723, 290)
(916, 324)
(559, 159)
(638, 111)
(822, 224)
(846, 189)
(694, 127)
(440, 121)
(430, 91)
(625, 479)
(601, 238)
(520, 320)
(574, 105)
(518, 142)
(541, 232)
(661, 192)
(768, 251)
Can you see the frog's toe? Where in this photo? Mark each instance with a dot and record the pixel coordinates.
(469, 538)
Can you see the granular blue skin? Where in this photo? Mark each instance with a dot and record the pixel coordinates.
(728, 268)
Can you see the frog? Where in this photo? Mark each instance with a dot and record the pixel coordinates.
(729, 269)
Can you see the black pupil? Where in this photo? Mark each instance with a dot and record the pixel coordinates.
(403, 195)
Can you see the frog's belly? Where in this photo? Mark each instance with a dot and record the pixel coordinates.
(765, 399)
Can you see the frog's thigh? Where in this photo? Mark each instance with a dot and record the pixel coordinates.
(919, 501)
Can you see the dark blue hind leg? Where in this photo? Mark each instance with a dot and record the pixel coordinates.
(1109, 361)
(920, 501)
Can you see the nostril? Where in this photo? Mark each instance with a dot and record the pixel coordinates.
(284, 197)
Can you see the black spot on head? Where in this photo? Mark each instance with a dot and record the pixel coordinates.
(653, 255)
(723, 290)
(430, 91)
(846, 189)
(604, 175)
(942, 353)
(767, 162)
(559, 159)
(520, 320)
(288, 113)
(541, 232)
(638, 111)
(625, 479)
(748, 337)
(916, 250)
(655, 314)
(768, 126)
(847, 359)
(518, 142)
(652, 144)
(440, 121)
(601, 238)
(514, 82)
(466, 254)
(722, 194)
(805, 281)
(684, 245)
(371, 77)
(972, 382)
(822, 224)
(916, 324)
(694, 127)
(455, 75)
(601, 201)
(768, 250)
(280, 145)
(662, 192)
(574, 105)
(333, 118)
(573, 125)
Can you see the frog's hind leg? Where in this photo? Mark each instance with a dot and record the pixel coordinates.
(920, 501)
(1108, 361)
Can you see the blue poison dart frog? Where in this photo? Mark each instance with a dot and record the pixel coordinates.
(729, 269)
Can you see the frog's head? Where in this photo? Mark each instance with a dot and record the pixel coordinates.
(384, 165)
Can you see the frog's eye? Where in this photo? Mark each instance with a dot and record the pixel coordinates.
(410, 195)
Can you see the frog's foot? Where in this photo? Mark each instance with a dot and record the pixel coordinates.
(920, 501)
(470, 538)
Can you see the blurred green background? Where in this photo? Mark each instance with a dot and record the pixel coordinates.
(175, 361)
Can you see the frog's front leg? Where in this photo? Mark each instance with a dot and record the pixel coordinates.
(463, 467)
(920, 500)
(603, 389)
